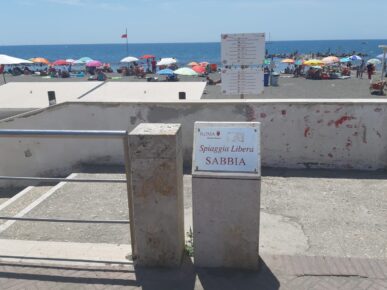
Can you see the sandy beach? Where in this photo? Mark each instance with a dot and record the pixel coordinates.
(289, 87)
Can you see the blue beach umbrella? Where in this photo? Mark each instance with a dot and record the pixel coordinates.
(355, 57)
(165, 72)
(345, 59)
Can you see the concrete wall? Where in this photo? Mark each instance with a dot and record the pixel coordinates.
(295, 133)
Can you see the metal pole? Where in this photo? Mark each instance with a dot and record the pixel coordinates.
(384, 63)
(61, 133)
(130, 193)
(4, 78)
(127, 43)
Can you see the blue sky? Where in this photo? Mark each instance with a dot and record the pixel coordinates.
(149, 21)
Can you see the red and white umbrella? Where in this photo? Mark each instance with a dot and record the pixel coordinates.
(94, 63)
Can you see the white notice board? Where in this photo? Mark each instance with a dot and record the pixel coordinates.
(227, 147)
(248, 81)
(243, 48)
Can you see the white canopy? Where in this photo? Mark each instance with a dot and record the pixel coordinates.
(6, 59)
(129, 59)
(167, 61)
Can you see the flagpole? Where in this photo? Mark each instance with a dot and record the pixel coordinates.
(127, 43)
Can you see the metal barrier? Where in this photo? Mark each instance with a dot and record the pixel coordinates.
(95, 134)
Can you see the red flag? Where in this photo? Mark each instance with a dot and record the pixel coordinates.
(124, 36)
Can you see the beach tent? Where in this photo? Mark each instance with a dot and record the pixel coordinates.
(7, 60)
(186, 71)
(167, 61)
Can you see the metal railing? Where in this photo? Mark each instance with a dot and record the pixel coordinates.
(76, 134)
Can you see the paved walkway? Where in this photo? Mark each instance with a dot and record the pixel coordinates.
(277, 272)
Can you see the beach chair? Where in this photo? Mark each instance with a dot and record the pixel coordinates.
(377, 87)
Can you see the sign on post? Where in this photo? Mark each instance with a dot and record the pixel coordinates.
(243, 48)
(227, 147)
(242, 57)
(247, 81)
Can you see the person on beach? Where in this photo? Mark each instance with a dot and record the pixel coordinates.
(101, 76)
(153, 63)
(360, 70)
(370, 70)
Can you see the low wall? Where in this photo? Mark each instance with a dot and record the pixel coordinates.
(295, 133)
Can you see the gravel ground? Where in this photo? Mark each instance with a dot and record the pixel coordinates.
(308, 212)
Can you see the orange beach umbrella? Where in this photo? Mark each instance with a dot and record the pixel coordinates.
(40, 60)
(330, 59)
(192, 63)
(288, 60)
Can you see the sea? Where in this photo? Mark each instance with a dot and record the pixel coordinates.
(187, 52)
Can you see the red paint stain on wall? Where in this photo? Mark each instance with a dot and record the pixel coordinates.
(343, 119)
(283, 112)
(348, 145)
(307, 132)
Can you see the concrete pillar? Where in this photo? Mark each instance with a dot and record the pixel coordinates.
(226, 220)
(157, 187)
(226, 185)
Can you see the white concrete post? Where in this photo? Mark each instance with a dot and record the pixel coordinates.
(226, 195)
(157, 186)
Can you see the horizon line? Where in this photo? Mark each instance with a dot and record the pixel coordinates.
(188, 42)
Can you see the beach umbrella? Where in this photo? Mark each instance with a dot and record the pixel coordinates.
(381, 56)
(199, 69)
(94, 63)
(204, 63)
(70, 60)
(167, 61)
(147, 56)
(186, 71)
(299, 62)
(166, 72)
(374, 61)
(355, 57)
(267, 61)
(7, 60)
(192, 63)
(345, 59)
(40, 60)
(82, 60)
(129, 59)
(330, 59)
(288, 60)
(60, 62)
(313, 62)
